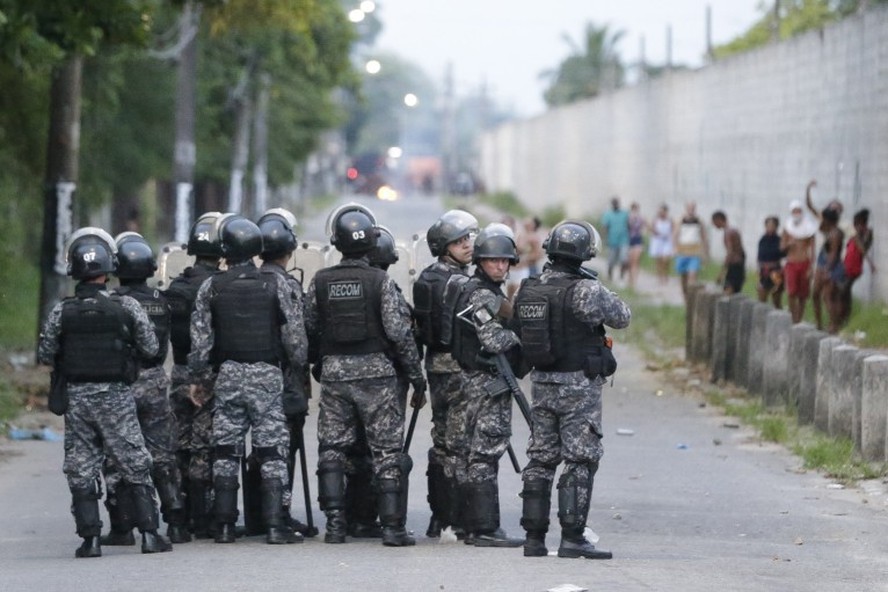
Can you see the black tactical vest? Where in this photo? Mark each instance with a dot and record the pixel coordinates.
(467, 349)
(155, 306)
(553, 339)
(349, 300)
(246, 317)
(181, 296)
(97, 341)
(428, 302)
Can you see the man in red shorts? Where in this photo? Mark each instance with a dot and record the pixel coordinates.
(798, 243)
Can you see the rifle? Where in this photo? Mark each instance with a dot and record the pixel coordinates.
(505, 371)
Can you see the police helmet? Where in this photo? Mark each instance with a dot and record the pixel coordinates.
(278, 235)
(573, 239)
(385, 252)
(241, 239)
(450, 227)
(354, 232)
(495, 241)
(349, 207)
(91, 252)
(135, 259)
(203, 241)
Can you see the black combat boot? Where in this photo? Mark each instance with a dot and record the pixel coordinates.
(120, 514)
(572, 516)
(535, 516)
(172, 503)
(391, 513)
(272, 514)
(484, 501)
(466, 512)
(145, 515)
(225, 508)
(85, 507)
(331, 496)
(199, 496)
(438, 494)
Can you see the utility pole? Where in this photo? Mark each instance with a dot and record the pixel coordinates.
(62, 154)
(448, 133)
(260, 146)
(642, 61)
(668, 47)
(775, 24)
(184, 153)
(710, 55)
(243, 106)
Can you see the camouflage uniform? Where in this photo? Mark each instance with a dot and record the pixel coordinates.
(101, 416)
(247, 395)
(362, 390)
(566, 417)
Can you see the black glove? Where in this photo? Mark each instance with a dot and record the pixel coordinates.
(418, 400)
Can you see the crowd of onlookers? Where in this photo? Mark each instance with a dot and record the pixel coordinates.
(786, 260)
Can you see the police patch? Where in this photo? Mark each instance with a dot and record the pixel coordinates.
(154, 309)
(345, 290)
(533, 311)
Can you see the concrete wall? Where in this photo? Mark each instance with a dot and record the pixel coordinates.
(744, 135)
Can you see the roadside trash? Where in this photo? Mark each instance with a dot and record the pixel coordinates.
(799, 541)
(567, 588)
(625, 432)
(835, 486)
(591, 535)
(731, 424)
(681, 446)
(659, 393)
(716, 441)
(43, 433)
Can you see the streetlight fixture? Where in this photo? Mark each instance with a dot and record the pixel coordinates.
(411, 100)
(373, 67)
(368, 6)
(356, 15)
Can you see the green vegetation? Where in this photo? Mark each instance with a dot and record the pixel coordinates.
(18, 308)
(506, 202)
(10, 400)
(593, 66)
(657, 329)
(552, 215)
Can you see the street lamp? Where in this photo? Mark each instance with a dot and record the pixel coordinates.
(373, 67)
(411, 100)
(368, 6)
(356, 15)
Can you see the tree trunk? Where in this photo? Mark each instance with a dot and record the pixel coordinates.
(260, 147)
(63, 147)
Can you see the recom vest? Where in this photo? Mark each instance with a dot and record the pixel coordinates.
(429, 308)
(467, 350)
(181, 296)
(553, 338)
(349, 300)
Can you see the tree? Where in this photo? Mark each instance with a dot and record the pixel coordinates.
(594, 66)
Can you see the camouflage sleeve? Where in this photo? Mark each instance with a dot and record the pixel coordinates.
(145, 337)
(48, 346)
(201, 335)
(293, 331)
(495, 338)
(594, 304)
(310, 316)
(397, 326)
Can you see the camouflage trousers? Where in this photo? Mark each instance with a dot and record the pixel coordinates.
(157, 424)
(194, 428)
(449, 443)
(375, 404)
(101, 421)
(248, 397)
(488, 427)
(566, 428)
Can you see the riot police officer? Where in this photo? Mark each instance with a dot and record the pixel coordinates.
(136, 263)
(243, 329)
(278, 228)
(451, 240)
(95, 341)
(194, 423)
(479, 333)
(560, 317)
(354, 315)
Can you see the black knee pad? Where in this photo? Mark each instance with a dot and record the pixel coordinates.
(331, 485)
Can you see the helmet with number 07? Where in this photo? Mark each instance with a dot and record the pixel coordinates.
(91, 253)
(354, 231)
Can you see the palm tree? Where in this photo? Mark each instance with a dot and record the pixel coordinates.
(589, 70)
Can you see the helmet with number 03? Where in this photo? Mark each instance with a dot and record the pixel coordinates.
(353, 230)
(573, 239)
(385, 252)
(495, 241)
(278, 233)
(203, 241)
(91, 253)
(240, 237)
(135, 258)
(349, 207)
(451, 226)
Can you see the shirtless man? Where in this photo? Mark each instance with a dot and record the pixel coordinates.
(733, 273)
(797, 241)
(828, 269)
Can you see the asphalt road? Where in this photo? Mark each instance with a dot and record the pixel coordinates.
(685, 503)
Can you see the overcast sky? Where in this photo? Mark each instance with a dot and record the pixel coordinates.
(509, 42)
